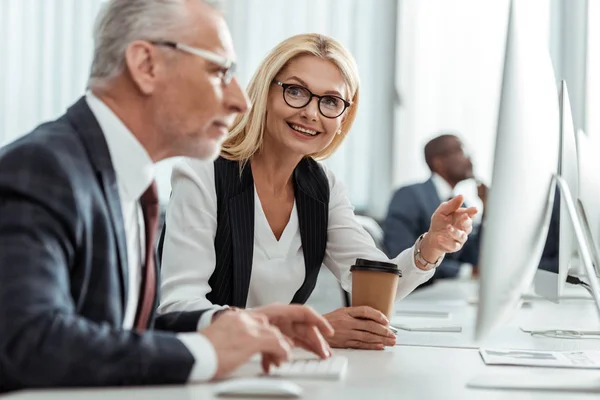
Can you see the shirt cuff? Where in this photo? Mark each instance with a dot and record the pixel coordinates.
(205, 356)
(206, 318)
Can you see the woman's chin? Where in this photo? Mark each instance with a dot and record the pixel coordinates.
(301, 149)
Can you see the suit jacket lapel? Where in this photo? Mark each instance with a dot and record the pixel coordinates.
(241, 219)
(89, 130)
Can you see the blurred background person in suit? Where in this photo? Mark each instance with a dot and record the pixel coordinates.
(411, 206)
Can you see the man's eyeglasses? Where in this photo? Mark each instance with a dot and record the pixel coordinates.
(297, 96)
(228, 65)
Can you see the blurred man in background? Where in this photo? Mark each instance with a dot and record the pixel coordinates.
(411, 206)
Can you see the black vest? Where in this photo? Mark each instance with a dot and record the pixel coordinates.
(234, 239)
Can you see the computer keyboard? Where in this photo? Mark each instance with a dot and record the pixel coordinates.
(333, 368)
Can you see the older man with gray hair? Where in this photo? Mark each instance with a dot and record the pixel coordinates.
(78, 212)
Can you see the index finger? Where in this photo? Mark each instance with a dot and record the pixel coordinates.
(306, 315)
(273, 342)
(311, 339)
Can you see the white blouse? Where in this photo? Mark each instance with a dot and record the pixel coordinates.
(278, 266)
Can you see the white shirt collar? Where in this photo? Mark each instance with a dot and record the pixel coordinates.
(443, 188)
(133, 166)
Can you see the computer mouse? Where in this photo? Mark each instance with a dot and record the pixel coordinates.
(258, 387)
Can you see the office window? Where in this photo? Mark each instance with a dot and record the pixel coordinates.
(46, 52)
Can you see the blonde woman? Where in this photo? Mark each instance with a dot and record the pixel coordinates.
(255, 226)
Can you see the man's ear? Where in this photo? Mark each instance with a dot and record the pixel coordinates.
(142, 61)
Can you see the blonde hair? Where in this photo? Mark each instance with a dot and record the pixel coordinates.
(246, 136)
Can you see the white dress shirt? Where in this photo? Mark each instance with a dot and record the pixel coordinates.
(135, 171)
(442, 187)
(278, 266)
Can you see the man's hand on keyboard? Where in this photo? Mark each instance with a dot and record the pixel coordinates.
(304, 326)
(237, 335)
(360, 328)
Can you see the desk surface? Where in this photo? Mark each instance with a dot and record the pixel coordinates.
(409, 371)
(400, 372)
(453, 297)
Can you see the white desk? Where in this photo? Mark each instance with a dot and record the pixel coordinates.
(451, 296)
(401, 372)
(406, 372)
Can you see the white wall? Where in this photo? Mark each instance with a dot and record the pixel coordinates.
(449, 73)
(593, 69)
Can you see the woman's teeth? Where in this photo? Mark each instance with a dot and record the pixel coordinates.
(303, 130)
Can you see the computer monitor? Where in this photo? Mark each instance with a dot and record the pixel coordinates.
(560, 243)
(522, 189)
(589, 191)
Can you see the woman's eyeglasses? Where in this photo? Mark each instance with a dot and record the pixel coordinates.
(297, 96)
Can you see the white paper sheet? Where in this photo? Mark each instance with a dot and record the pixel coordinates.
(587, 359)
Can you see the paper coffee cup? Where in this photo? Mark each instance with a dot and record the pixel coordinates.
(374, 284)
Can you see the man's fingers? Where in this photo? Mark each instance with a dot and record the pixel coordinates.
(317, 343)
(309, 346)
(280, 314)
(310, 338)
(273, 342)
(320, 323)
(266, 362)
(303, 314)
(269, 359)
(258, 317)
(365, 312)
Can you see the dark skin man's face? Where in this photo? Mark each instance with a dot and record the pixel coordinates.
(454, 165)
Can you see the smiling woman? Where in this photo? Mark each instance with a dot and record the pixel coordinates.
(254, 227)
(306, 66)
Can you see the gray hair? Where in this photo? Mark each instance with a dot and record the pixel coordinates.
(121, 22)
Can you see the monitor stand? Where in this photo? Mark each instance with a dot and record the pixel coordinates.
(587, 248)
(586, 251)
(538, 380)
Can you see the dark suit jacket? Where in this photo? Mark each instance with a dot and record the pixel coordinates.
(409, 215)
(234, 239)
(63, 268)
